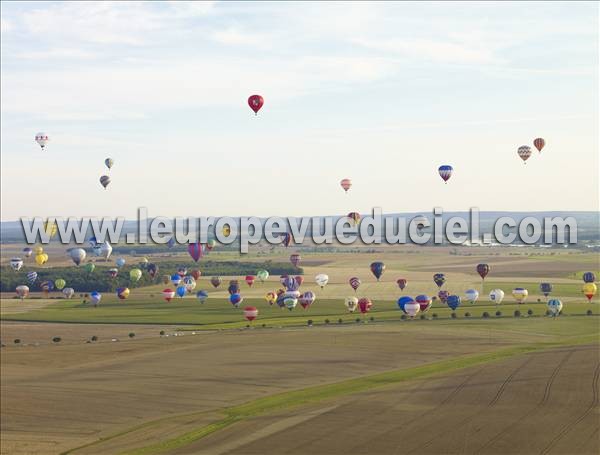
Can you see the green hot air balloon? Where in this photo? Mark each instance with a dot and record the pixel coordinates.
(262, 275)
(60, 283)
(89, 267)
(135, 275)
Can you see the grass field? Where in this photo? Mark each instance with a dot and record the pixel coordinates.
(404, 386)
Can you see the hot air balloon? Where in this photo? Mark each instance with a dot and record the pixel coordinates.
(402, 301)
(443, 296)
(109, 163)
(235, 299)
(93, 241)
(471, 295)
(377, 269)
(182, 271)
(196, 274)
(250, 313)
(202, 296)
(290, 302)
(321, 279)
(96, 297)
(539, 143)
(196, 251)
(31, 277)
(439, 279)
(496, 296)
(354, 283)
(189, 283)
(299, 280)
(89, 267)
(216, 281)
(483, 270)
(152, 270)
(286, 239)
(412, 308)
(103, 250)
(234, 288)
(59, 284)
(211, 244)
(122, 293)
(290, 283)
(524, 153)
(271, 297)
(50, 229)
(262, 275)
(120, 262)
(401, 283)
(546, 289)
(180, 291)
(295, 259)
(41, 259)
(38, 250)
(226, 230)
(364, 305)
(16, 264)
(589, 290)
(47, 286)
(68, 292)
(255, 102)
(424, 302)
(113, 272)
(27, 252)
(168, 294)
(135, 275)
(41, 139)
(175, 279)
(346, 184)
(282, 279)
(354, 218)
(171, 242)
(307, 299)
(250, 280)
(555, 307)
(589, 277)
(453, 301)
(520, 294)
(105, 181)
(351, 304)
(22, 291)
(445, 172)
(77, 255)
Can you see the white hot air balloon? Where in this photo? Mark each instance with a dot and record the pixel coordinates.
(41, 139)
(471, 295)
(16, 264)
(555, 307)
(496, 296)
(412, 308)
(68, 292)
(351, 304)
(77, 255)
(103, 250)
(321, 279)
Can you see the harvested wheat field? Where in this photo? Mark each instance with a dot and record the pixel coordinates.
(540, 403)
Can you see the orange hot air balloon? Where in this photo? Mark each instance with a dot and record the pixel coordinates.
(539, 143)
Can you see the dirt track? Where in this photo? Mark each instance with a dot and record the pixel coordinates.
(544, 403)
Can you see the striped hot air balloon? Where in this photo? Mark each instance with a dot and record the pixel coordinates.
(539, 143)
(307, 299)
(364, 305)
(196, 251)
(445, 172)
(524, 153)
(41, 139)
(250, 313)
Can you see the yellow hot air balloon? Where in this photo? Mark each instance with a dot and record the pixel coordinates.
(50, 229)
(41, 259)
(59, 284)
(226, 230)
(589, 290)
(520, 294)
(135, 275)
(38, 250)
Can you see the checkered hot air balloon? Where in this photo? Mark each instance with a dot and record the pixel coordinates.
(354, 283)
(524, 153)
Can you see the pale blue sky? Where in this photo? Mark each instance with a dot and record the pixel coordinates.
(382, 93)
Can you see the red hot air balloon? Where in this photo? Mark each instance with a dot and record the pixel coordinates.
(364, 305)
(483, 270)
(196, 251)
(250, 313)
(346, 184)
(295, 259)
(256, 102)
(216, 281)
(354, 282)
(168, 294)
(196, 274)
(539, 143)
(299, 279)
(401, 283)
(250, 280)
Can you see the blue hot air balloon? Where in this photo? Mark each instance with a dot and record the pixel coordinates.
(377, 269)
(175, 279)
(546, 289)
(202, 296)
(453, 301)
(180, 291)
(235, 299)
(96, 297)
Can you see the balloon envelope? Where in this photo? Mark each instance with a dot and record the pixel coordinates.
(497, 295)
(321, 279)
(377, 269)
(255, 102)
(453, 301)
(445, 172)
(555, 306)
(77, 255)
(471, 295)
(250, 313)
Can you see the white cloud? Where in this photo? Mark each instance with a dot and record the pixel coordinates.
(235, 37)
